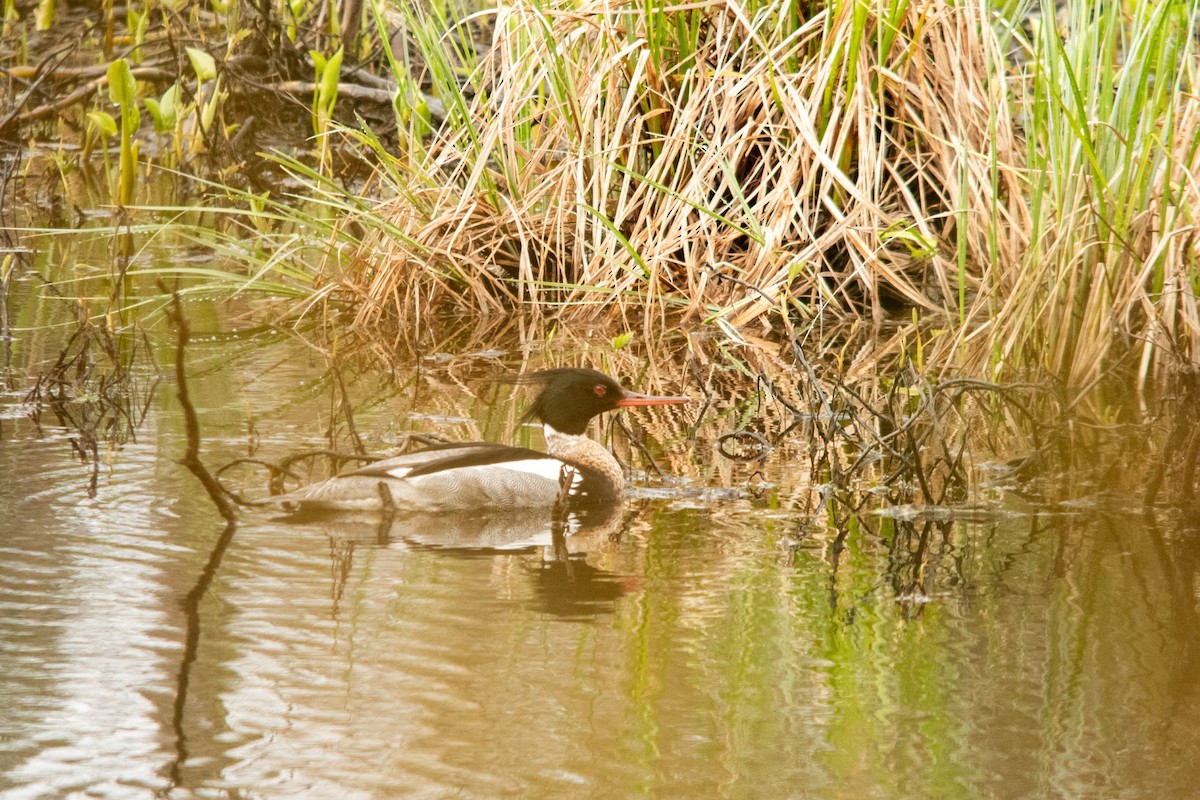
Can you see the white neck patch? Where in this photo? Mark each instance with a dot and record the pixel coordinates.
(549, 430)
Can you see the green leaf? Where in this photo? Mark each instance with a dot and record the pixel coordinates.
(423, 113)
(122, 88)
(164, 110)
(208, 114)
(103, 122)
(203, 64)
(169, 104)
(329, 73)
(619, 342)
(918, 244)
(137, 23)
(155, 114)
(330, 76)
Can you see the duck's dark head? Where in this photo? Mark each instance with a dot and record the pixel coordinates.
(571, 396)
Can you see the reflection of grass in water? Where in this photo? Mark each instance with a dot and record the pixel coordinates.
(1011, 653)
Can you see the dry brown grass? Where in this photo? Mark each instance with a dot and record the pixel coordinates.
(827, 168)
(661, 187)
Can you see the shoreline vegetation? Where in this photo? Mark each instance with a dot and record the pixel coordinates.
(1011, 186)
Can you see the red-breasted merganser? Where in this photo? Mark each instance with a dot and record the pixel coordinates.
(492, 477)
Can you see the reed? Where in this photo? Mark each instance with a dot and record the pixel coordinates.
(1027, 186)
(1111, 126)
(730, 163)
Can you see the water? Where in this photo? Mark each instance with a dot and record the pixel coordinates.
(697, 645)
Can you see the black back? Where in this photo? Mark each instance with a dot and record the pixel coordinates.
(468, 454)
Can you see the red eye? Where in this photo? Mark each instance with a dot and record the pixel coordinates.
(600, 390)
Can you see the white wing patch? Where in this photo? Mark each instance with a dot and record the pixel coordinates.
(548, 468)
(399, 472)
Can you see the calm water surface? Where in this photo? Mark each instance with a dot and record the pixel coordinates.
(690, 647)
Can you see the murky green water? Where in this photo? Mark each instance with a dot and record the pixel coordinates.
(695, 646)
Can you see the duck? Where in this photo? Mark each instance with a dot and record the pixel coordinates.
(489, 477)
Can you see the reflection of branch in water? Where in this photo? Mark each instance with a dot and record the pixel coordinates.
(618, 422)
(191, 460)
(191, 646)
(191, 455)
(94, 392)
(341, 556)
(835, 553)
(909, 567)
(341, 561)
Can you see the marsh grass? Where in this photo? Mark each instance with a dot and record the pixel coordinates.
(1016, 177)
(1025, 183)
(698, 159)
(1111, 123)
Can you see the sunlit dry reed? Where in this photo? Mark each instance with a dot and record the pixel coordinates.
(1031, 189)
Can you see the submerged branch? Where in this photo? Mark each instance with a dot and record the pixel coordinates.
(86, 91)
(385, 96)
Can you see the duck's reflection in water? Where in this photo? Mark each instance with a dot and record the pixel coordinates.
(571, 587)
(563, 582)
